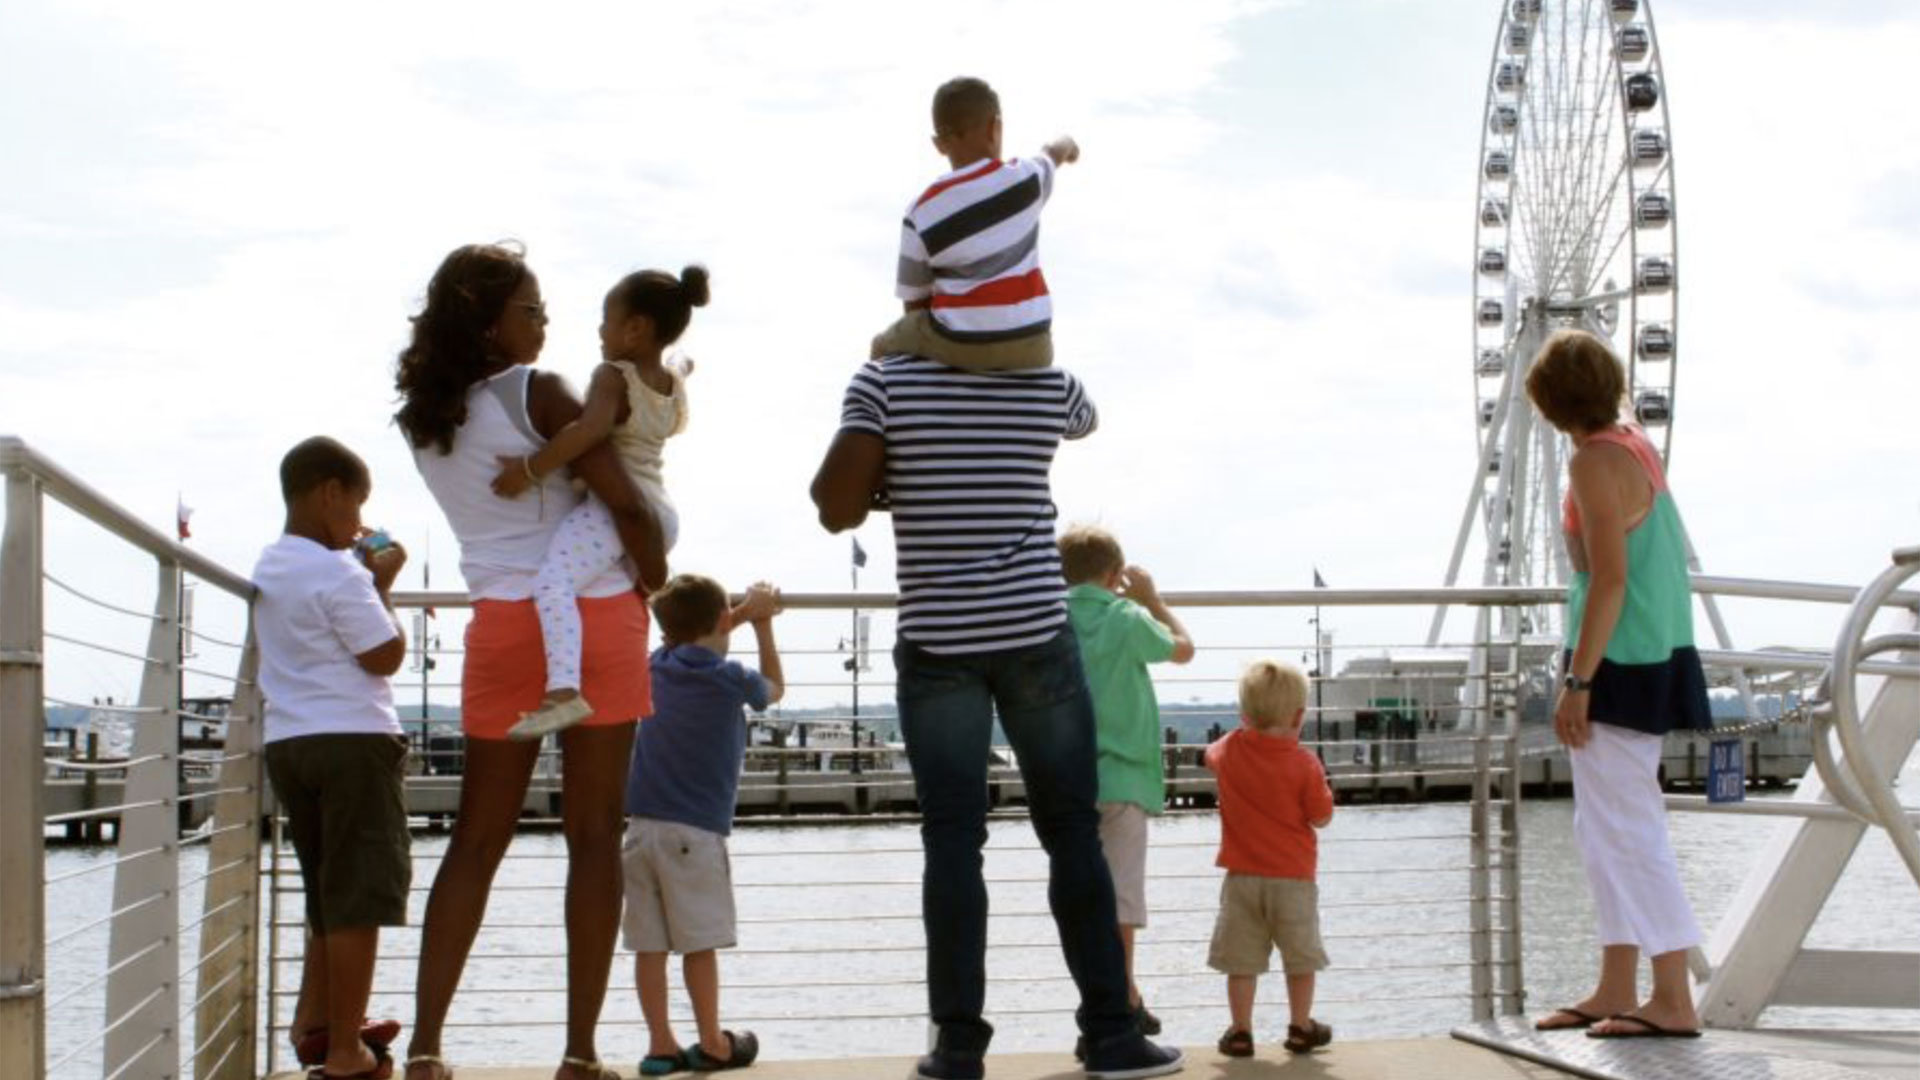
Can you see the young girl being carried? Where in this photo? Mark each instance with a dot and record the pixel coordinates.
(636, 401)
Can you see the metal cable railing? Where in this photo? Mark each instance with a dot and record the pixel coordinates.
(108, 982)
(181, 962)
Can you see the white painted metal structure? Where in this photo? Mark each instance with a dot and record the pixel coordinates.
(1757, 956)
(1574, 226)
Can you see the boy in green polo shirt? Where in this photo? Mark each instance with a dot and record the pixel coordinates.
(1123, 626)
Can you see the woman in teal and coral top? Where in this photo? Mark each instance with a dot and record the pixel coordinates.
(1631, 675)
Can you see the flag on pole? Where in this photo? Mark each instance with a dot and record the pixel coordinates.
(426, 585)
(1318, 581)
(182, 514)
(859, 553)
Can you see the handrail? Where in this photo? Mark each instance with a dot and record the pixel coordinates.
(1866, 784)
(17, 457)
(1466, 596)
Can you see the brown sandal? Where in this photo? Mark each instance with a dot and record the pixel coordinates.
(1303, 1039)
(1236, 1042)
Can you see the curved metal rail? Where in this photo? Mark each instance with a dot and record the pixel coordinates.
(1861, 786)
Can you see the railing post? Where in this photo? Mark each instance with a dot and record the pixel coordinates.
(143, 997)
(1479, 898)
(23, 973)
(225, 1024)
(1512, 982)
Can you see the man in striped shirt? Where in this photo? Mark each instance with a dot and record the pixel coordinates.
(983, 630)
(970, 245)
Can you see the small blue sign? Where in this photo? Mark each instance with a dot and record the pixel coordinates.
(1726, 771)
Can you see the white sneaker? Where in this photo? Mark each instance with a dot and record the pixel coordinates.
(558, 716)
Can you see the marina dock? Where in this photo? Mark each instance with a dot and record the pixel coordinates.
(789, 782)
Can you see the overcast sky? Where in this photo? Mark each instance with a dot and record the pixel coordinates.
(216, 218)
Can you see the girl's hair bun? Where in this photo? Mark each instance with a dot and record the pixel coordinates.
(693, 282)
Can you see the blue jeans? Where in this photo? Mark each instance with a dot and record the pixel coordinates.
(947, 706)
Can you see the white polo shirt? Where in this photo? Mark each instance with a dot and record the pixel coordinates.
(318, 610)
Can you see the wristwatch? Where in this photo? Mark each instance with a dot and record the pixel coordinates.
(1575, 683)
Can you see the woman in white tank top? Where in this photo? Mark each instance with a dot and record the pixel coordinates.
(468, 399)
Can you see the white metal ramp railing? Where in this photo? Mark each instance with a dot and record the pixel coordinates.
(1757, 956)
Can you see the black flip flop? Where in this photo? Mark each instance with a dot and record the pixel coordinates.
(1584, 1020)
(1648, 1030)
(741, 1050)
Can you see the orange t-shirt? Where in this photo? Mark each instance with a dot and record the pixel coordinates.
(1271, 790)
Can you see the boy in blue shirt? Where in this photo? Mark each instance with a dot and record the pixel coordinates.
(680, 800)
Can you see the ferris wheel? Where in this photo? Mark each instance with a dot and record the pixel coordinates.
(1575, 226)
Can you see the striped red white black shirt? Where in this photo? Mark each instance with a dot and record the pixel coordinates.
(970, 245)
(973, 516)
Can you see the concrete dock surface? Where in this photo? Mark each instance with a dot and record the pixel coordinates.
(1774, 1054)
(1405, 1059)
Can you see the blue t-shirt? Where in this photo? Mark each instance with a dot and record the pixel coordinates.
(686, 757)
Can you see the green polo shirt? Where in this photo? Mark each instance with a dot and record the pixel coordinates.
(1118, 639)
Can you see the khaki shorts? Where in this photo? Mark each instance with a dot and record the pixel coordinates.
(679, 888)
(1123, 836)
(914, 334)
(1259, 913)
(346, 805)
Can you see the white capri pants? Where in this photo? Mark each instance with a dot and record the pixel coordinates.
(1620, 827)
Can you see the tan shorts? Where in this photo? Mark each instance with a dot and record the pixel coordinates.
(914, 334)
(1123, 836)
(1259, 913)
(679, 888)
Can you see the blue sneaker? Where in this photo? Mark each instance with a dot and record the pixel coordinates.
(948, 1065)
(1132, 1057)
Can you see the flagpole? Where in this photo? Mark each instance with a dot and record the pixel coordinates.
(854, 664)
(1320, 674)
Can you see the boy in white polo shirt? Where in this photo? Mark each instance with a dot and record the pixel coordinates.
(334, 748)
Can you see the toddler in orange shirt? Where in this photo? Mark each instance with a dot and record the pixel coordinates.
(1273, 795)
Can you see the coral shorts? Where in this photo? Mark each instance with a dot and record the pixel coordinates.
(506, 669)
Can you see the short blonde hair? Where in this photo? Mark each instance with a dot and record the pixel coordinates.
(1089, 553)
(1271, 693)
(1577, 383)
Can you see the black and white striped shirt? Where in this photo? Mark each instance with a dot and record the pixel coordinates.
(973, 516)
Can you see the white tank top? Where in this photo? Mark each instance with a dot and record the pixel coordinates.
(502, 541)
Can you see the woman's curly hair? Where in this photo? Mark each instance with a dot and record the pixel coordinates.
(449, 350)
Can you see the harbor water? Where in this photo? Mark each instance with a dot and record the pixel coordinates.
(830, 945)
